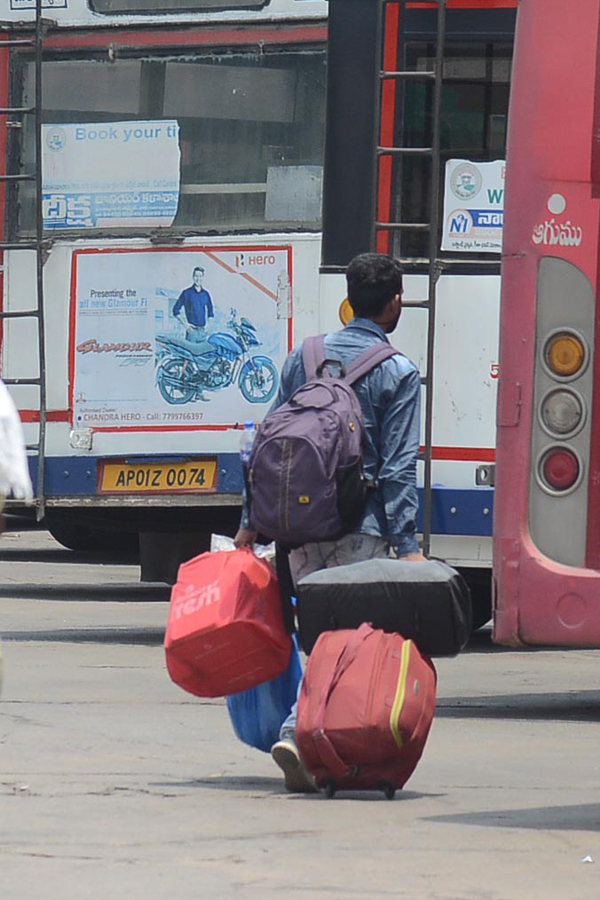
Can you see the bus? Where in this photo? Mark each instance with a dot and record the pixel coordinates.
(546, 537)
(161, 170)
(417, 107)
(226, 159)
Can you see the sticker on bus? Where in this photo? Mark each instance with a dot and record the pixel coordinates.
(110, 174)
(473, 206)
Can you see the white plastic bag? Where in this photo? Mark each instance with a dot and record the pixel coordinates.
(222, 542)
(14, 472)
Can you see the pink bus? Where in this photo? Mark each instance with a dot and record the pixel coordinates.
(547, 499)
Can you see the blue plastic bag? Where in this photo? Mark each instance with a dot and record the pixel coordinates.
(258, 714)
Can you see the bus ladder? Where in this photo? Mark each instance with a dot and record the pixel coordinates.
(432, 262)
(13, 118)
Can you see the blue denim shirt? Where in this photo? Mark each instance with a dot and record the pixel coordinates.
(198, 306)
(390, 397)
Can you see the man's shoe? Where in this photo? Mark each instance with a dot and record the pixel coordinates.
(297, 779)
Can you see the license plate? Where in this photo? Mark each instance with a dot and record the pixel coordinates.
(191, 476)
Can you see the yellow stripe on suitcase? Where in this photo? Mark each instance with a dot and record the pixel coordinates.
(400, 693)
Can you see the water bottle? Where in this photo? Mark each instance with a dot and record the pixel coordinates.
(246, 442)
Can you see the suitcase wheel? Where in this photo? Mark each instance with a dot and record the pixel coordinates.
(329, 786)
(388, 789)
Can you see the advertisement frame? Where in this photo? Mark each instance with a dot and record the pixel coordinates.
(208, 249)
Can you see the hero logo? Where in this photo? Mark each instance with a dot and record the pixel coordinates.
(190, 599)
(254, 259)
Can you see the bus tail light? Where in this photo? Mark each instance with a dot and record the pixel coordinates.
(563, 376)
(559, 469)
(565, 354)
(562, 412)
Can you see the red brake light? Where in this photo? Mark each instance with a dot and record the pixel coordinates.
(560, 469)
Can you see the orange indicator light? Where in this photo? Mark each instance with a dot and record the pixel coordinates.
(565, 354)
(345, 311)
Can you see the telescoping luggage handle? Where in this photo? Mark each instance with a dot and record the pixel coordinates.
(313, 357)
(325, 749)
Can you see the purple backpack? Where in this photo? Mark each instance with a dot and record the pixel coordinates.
(305, 477)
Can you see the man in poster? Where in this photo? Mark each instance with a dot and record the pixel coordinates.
(197, 304)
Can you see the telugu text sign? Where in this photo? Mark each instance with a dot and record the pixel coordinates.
(110, 174)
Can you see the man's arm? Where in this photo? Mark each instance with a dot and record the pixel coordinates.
(178, 304)
(209, 306)
(398, 463)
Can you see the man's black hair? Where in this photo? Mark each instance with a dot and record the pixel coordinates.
(373, 280)
(199, 269)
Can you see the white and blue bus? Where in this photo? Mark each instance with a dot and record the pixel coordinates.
(182, 193)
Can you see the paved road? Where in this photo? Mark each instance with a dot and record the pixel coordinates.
(114, 783)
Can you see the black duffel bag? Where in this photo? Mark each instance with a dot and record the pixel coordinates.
(428, 602)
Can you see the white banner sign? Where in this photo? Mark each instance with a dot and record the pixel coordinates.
(473, 206)
(110, 174)
(172, 338)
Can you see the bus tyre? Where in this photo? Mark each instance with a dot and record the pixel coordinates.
(83, 540)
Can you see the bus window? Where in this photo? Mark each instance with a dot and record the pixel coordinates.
(251, 128)
(473, 124)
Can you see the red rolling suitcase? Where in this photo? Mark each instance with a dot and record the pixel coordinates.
(365, 710)
(225, 632)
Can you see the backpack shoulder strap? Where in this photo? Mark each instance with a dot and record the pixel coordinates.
(313, 354)
(368, 360)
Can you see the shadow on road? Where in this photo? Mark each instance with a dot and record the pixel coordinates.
(151, 637)
(569, 706)
(227, 783)
(66, 557)
(274, 784)
(113, 593)
(481, 642)
(581, 817)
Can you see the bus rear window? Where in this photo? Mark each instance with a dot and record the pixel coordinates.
(251, 129)
(473, 123)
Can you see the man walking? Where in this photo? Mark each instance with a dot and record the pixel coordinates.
(196, 302)
(389, 397)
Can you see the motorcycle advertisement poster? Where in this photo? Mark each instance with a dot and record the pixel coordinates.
(189, 337)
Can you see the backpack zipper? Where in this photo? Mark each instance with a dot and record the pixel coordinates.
(287, 452)
(287, 485)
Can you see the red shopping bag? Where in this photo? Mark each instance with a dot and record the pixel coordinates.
(225, 632)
